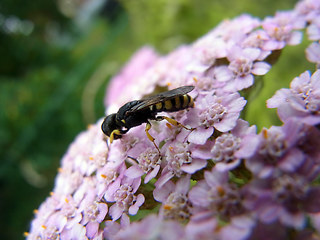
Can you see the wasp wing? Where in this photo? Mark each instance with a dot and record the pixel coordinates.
(161, 97)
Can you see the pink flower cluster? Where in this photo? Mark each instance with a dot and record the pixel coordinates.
(222, 180)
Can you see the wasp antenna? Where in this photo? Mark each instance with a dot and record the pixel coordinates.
(115, 134)
(111, 137)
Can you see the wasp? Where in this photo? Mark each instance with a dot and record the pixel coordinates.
(137, 112)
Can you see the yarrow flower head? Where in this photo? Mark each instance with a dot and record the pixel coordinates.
(203, 172)
(301, 101)
(228, 147)
(244, 62)
(278, 148)
(222, 115)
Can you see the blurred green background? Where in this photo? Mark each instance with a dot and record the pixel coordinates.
(56, 60)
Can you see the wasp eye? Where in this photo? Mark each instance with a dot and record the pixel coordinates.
(109, 124)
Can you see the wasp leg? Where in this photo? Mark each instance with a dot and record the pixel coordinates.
(172, 121)
(113, 133)
(148, 127)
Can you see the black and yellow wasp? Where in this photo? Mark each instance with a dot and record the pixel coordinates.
(136, 112)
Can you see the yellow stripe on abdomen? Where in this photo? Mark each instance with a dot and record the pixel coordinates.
(177, 102)
(185, 101)
(168, 105)
(159, 106)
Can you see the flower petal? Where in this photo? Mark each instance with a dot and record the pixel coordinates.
(200, 135)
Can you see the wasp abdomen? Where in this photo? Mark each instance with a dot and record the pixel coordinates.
(174, 104)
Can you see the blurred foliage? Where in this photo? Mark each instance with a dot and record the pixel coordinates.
(289, 65)
(166, 23)
(53, 77)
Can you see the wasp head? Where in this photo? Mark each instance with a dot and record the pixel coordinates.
(109, 124)
(112, 128)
